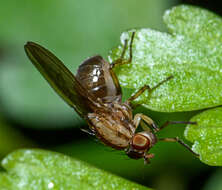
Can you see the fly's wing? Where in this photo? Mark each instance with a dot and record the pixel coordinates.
(59, 77)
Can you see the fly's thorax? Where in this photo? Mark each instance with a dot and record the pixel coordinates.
(140, 143)
(114, 127)
(123, 109)
(122, 113)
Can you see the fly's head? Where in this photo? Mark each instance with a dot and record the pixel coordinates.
(140, 144)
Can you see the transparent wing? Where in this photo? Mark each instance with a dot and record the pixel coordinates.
(59, 77)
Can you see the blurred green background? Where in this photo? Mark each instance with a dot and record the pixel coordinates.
(32, 115)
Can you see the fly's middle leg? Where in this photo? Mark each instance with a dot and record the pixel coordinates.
(147, 87)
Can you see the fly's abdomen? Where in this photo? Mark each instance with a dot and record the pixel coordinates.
(97, 77)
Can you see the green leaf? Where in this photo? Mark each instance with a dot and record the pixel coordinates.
(39, 169)
(191, 53)
(207, 136)
(11, 139)
(214, 182)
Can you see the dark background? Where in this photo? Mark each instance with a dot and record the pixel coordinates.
(32, 115)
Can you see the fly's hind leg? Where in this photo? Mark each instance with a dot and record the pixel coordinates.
(121, 60)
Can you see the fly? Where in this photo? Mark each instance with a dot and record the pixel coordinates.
(95, 94)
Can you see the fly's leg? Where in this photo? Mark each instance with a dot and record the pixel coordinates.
(139, 92)
(88, 131)
(140, 118)
(121, 60)
(147, 158)
(147, 87)
(137, 120)
(176, 122)
(176, 139)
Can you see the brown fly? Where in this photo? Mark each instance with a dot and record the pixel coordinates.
(95, 93)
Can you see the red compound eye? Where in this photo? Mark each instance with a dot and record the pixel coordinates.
(140, 142)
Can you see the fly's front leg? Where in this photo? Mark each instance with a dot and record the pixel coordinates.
(176, 122)
(147, 87)
(147, 158)
(121, 60)
(176, 139)
(137, 120)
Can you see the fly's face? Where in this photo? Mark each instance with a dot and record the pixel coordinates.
(140, 143)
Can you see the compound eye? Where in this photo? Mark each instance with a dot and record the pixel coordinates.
(140, 142)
